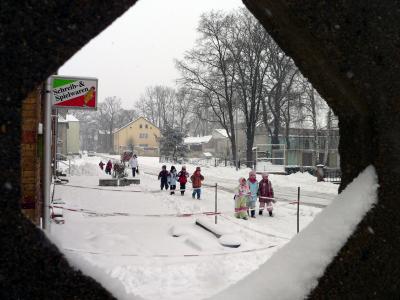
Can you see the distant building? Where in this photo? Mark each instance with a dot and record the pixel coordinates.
(217, 144)
(68, 135)
(140, 136)
(197, 145)
(296, 149)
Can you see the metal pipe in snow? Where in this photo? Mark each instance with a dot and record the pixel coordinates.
(216, 200)
(298, 209)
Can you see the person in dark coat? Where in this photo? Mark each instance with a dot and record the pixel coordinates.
(109, 167)
(101, 165)
(182, 178)
(163, 176)
(266, 194)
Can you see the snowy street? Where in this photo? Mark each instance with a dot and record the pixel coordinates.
(128, 231)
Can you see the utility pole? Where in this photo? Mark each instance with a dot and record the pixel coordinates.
(47, 156)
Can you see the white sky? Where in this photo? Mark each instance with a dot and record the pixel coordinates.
(138, 49)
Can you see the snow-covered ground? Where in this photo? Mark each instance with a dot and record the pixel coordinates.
(124, 236)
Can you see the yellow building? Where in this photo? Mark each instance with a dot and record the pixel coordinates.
(140, 135)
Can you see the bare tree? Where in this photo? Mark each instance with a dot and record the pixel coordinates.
(107, 117)
(328, 129)
(248, 44)
(184, 103)
(280, 82)
(312, 104)
(125, 116)
(157, 105)
(209, 70)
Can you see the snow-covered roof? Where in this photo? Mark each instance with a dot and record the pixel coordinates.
(71, 118)
(61, 119)
(197, 139)
(68, 118)
(221, 132)
(104, 131)
(133, 121)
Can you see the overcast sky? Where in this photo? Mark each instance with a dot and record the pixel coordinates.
(138, 49)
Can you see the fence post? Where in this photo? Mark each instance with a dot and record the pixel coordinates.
(69, 167)
(298, 209)
(216, 206)
(215, 162)
(320, 173)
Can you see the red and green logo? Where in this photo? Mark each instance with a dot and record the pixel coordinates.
(79, 93)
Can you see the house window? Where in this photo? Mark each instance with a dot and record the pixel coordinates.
(143, 135)
(146, 126)
(140, 126)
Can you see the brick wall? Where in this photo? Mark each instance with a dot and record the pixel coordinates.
(31, 154)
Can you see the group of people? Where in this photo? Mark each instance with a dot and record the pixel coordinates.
(246, 196)
(133, 163)
(248, 192)
(109, 166)
(170, 178)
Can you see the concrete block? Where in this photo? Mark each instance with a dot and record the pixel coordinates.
(108, 182)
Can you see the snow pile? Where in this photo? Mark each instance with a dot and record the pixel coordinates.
(305, 180)
(87, 168)
(293, 271)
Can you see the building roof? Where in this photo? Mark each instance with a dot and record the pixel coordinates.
(197, 139)
(68, 118)
(222, 132)
(71, 118)
(116, 130)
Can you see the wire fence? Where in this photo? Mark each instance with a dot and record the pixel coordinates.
(208, 161)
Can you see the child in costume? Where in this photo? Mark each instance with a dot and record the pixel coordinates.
(182, 178)
(253, 187)
(241, 198)
(266, 194)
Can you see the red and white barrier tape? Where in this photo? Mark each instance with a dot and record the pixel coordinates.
(168, 255)
(94, 213)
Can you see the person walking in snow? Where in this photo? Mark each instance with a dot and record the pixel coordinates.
(266, 194)
(133, 162)
(253, 187)
(101, 165)
(172, 177)
(109, 167)
(182, 178)
(196, 178)
(241, 198)
(163, 176)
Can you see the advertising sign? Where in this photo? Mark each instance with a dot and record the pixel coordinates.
(74, 92)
